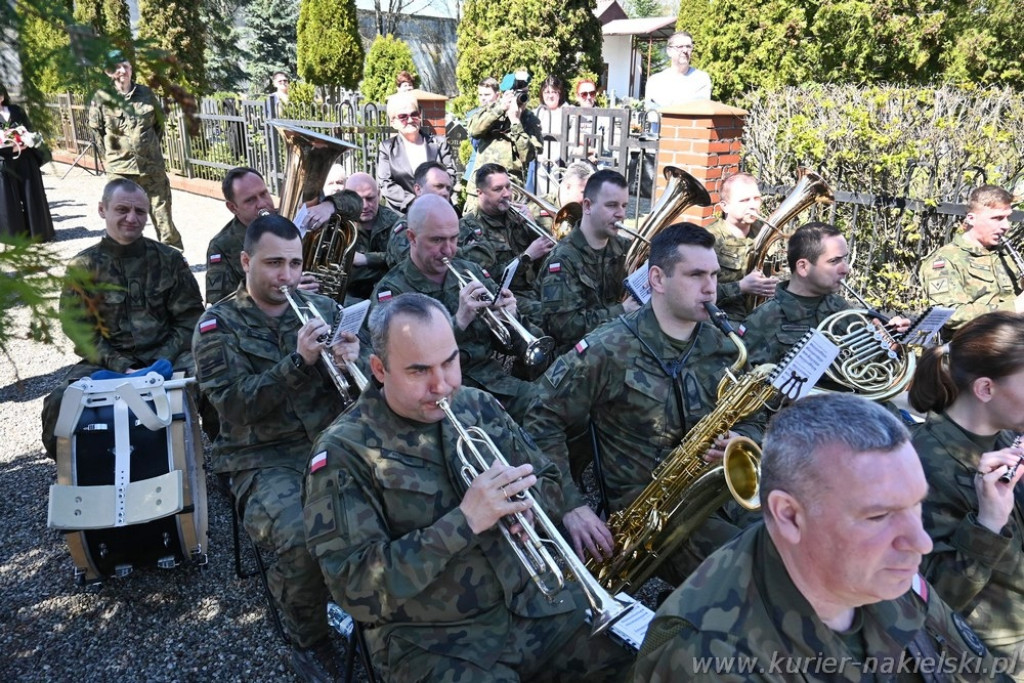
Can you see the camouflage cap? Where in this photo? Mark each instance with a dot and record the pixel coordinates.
(113, 58)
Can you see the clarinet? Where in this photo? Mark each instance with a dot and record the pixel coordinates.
(1015, 256)
(1008, 474)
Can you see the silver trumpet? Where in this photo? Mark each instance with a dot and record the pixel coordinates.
(304, 312)
(636, 235)
(529, 546)
(534, 352)
(532, 224)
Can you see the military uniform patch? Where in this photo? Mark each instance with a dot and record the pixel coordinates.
(581, 346)
(939, 286)
(968, 635)
(383, 296)
(211, 360)
(938, 264)
(555, 268)
(319, 461)
(208, 325)
(215, 258)
(399, 228)
(557, 371)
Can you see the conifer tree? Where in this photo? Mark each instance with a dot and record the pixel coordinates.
(330, 51)
(387, 56)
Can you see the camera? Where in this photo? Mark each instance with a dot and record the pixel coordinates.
(519, 83)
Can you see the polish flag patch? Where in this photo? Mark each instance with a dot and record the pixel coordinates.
(384, 296)
(208, 325)
(581, 346)
(938, 265)
(215, 258)
(319, 460)
(920, 586)
(555, 268)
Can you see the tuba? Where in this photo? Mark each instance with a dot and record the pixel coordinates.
(682, 192)
(327, 253)
(528, 546)
(810, 189)
(685, 490)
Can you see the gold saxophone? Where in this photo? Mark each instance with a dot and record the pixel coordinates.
(685, 490)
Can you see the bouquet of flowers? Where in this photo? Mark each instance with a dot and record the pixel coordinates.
(19, 138)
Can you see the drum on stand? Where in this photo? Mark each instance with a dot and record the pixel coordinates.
(131, 486)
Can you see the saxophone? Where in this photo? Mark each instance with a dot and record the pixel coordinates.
(684, 489)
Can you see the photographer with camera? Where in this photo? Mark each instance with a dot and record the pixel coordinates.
(506, 133)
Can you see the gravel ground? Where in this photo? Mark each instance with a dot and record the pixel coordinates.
(186, 624)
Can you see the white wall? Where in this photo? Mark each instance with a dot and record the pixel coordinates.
(616, 53)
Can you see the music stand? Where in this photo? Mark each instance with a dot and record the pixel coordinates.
(95, 158)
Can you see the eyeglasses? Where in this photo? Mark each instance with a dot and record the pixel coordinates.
(588, 93)
(687, 46)
(406, 117)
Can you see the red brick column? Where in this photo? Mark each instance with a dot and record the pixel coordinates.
(432, 108)
(704, 139)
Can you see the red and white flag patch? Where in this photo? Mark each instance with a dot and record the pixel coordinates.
(581, 346)
(215, 258)
(938, 264)
(208, 325)
(383, 296)
(920, 586)
(319, 460)
(554, 267)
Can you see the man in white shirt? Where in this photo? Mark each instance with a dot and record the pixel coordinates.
(680, 82)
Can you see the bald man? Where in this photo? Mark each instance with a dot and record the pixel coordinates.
(375, 224)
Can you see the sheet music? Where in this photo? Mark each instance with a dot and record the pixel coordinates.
(351, 320)
(804, 365)
(508, 274)
(300, 219)
(632, 628)
(925, 330)
(638, 285)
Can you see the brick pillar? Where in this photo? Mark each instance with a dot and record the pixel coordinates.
(432, 108)
(704, 139)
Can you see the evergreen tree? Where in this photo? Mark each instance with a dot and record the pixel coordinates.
(110, 18)
(387, 56)
(272, 38)
(46, 65)
(547, 38)
(177, 27)
(225, 54)
(330, 51)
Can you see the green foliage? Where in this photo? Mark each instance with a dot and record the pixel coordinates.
(301, 92)
(751, 44)
(330, 51)
(110, 18)
(176, 26)
(387, 56)
(271, 29)
(496, 38)
(45, 59)
(29, 279)
(224, 52)
(920, 143)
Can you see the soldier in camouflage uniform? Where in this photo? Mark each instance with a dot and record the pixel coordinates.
(128, 126)
(375, 224)
(493, 236)
(430, 177)
(506, 133)
(972, 274)
(580, 284)
(433, 236)
(827, 588)
(734, 239)
(971, 391)
(643, 380)
(262, 370)
(148, 305)
(412, 553)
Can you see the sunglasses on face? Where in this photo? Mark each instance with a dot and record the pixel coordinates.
(406, 117)
(588, 93)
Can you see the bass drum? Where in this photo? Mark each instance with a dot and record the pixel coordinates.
(102, 494)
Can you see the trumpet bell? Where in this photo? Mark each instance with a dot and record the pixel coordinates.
(742, 464)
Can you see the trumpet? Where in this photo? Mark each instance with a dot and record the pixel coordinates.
(1008, 475)
(532, 224)
(633, 233)
(528, 546)
(535, 352)
(304, 313)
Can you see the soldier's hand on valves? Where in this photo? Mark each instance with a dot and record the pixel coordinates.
(308, 344)
(472, 299)
(899, 324)
(492, 495)
(309, 283)
(717, 450)
(507, 301)
(588, 532)
(539, 248)
(345, 349)
(317, 216)
(756, 283)
(995, 498)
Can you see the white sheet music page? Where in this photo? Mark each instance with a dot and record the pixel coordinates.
(925, 330)
(508, 274)
(804, 365)
(637, 284)
(632, 627)
(300, 219)
(351, 319)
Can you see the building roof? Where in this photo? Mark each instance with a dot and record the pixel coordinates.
(609, 10)
(647, 27)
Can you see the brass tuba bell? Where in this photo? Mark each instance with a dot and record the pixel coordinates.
(682, 192)
(327, 253)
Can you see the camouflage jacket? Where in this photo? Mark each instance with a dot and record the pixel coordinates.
(374, 244)
(492, 242)
(128, 130)
(476, 343)
(968, 278)
(499, 141)
(732, 253)
(224, 262)
(741, 609)
(398, 243)
(979, 573)
(270, 409)
(778, 324)
(147, 308)
(625, 388)
(581, 287)
(382, 518)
